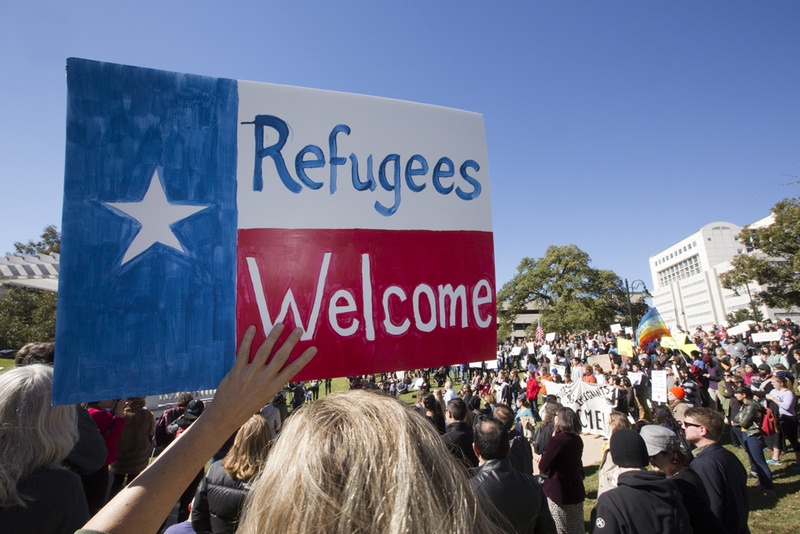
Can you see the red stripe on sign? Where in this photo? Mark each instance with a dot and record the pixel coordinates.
(371, 300)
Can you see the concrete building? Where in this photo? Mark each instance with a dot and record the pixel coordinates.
(687, 290)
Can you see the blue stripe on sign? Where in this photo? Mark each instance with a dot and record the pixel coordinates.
(163, 320)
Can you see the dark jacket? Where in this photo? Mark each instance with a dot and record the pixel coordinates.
(643, 501)
(57, 504)
(749, 418)
(515, 496)
(541, 437)
(218, 502)
(89, 453)
(520, 453)
(458, 439)
(561, 463)
(725, 481)
(695, 499)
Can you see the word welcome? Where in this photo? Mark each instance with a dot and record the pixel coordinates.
(425, 310)
(392, 170)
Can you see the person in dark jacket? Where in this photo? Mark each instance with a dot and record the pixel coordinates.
(562, 465)
(664, 449)
(643, 501)
(517, 499)
(521, 454)
(458, 434)
(721, 471)
(219, 499)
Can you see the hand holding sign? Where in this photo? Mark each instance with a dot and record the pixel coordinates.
(146, 502)
(249, 386)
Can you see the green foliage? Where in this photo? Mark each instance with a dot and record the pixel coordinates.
(27, 316)
(779, 266)
(503, 332)
(49, 243)
(744, 314)
(572, 295)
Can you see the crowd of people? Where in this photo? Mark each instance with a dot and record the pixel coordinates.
(477, 453)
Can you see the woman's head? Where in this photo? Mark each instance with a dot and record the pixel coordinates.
(361, 462)
(567, 421)
(429, 402)
(250, 448)
(617, 420)
(779, 382)
(34, 433)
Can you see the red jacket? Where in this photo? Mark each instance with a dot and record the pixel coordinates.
(532, 390)
(110, 428)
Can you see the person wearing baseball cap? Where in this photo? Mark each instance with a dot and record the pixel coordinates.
(643, 501)
(667, 455)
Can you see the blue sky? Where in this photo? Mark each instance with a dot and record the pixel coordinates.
(619, 126)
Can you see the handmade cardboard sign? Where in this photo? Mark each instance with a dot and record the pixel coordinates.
(197, 206)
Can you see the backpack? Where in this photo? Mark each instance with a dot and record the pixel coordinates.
(520, 454)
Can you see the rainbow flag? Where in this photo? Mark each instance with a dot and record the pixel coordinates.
(651, 328)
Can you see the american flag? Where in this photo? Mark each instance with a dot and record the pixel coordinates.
(539, 331)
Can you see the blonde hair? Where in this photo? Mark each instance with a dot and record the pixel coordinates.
(361, 462)
(250, 447)
(616, 421)
(33, 434)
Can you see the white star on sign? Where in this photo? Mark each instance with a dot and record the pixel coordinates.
(156, 215)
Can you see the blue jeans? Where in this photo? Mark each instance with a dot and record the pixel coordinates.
(754, 447)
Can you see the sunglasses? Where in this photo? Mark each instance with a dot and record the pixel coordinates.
(686, 424)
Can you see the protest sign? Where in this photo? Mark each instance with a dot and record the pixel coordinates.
(635, 377)
(591, 402)
(516, 351)
(550, 336)
(197, 206)
(740, 328)
(766, 337)
(658, 386)
(603, 360)
(616, 328)
(530, 347)
(625, 347)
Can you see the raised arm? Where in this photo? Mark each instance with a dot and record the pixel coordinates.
(147, 501)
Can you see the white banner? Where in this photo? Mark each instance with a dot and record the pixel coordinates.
(591, 402)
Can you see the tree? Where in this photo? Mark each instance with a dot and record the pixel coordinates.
(744, 314)
(503, 332)
(779, 266)
(49, 243)
(572, 295)
(29, 315)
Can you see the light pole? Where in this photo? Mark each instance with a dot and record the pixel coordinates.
(632, 287)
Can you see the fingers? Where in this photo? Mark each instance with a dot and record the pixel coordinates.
(243, 354)
(263, 352)
(296, 366)
(281, 356)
